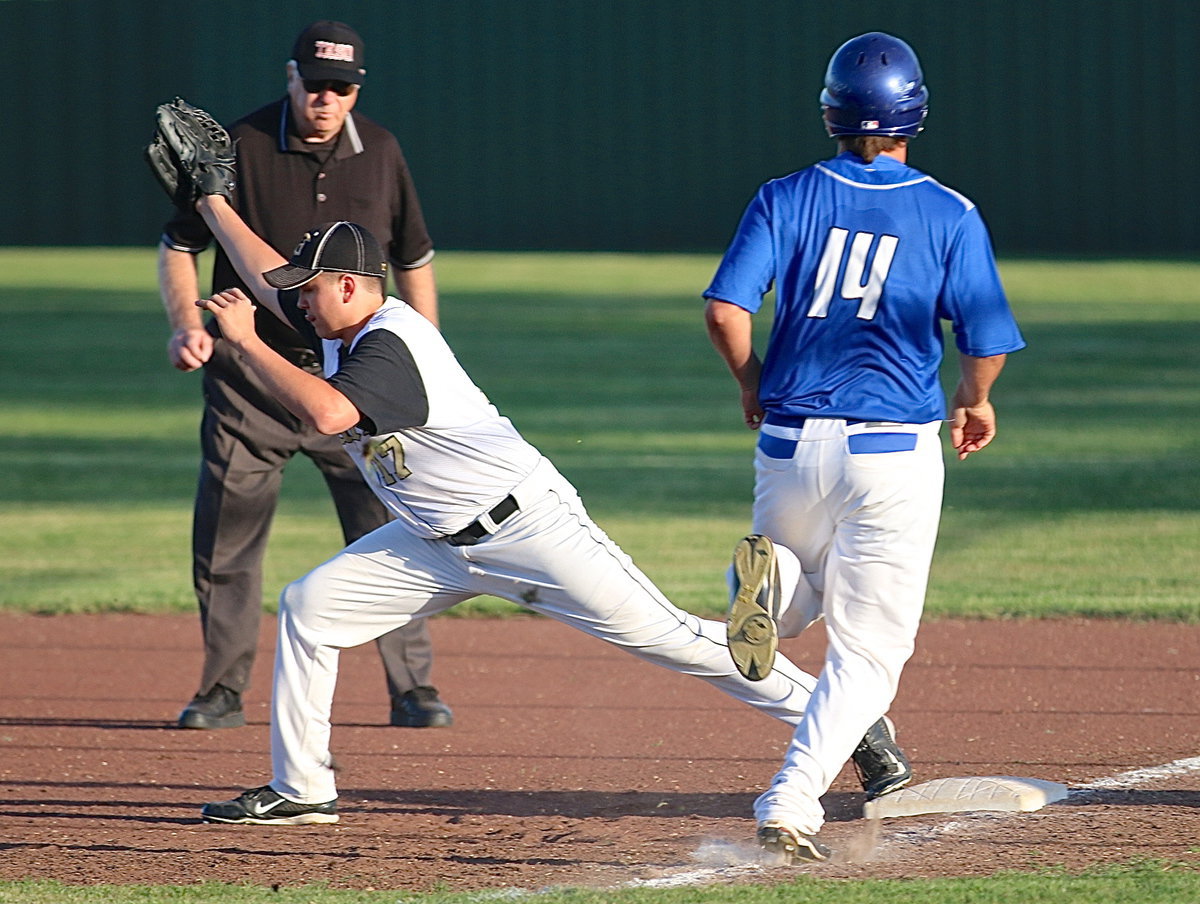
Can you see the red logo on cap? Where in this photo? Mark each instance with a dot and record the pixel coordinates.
(328, 50)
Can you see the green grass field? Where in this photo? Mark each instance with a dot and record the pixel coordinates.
(1144, 883)
(1085, 506)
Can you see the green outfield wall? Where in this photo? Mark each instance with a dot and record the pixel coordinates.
(627, 124)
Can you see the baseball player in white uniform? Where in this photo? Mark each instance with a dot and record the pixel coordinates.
(478, 510)
(867, 257)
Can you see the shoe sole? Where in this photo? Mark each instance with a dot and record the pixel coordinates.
(438, 721)
(786, 848)
(203, 722)
(889, 788)
(302, 819)
(750, 629)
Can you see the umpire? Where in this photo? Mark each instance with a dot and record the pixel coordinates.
(303, 159)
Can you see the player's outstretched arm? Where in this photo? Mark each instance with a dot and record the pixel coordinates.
(248, 253)
(731, 333)
(972, 419)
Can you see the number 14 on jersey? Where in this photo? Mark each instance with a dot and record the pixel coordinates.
(854, 287)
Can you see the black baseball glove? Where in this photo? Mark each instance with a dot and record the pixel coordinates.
(191, 154)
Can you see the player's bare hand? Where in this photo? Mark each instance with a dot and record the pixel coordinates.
(190, 348)
(234, 313)
(972, 428)
(752, 411)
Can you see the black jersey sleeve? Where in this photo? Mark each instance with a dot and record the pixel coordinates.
(383, 381)
(185, 231)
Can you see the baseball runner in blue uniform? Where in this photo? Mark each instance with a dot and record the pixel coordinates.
(477, 509)
(867, 257)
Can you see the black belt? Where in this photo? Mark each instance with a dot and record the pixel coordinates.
(475, 531)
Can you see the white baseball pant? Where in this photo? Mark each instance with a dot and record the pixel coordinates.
(549, 556)
(862, 523)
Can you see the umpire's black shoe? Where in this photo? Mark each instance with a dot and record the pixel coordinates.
(219, 708)
(420, 708)
(880, 763)
(263, 807)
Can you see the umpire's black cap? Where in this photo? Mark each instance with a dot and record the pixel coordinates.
(329, 51)
(339, 247)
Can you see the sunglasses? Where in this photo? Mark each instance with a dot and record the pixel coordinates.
(341, 89)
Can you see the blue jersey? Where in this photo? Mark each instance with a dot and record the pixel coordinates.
(866, 261)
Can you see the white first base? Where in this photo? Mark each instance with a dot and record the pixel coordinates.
(964, 795)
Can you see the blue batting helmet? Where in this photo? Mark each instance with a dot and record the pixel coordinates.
(874, 86)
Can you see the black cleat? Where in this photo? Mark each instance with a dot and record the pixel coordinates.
(263, 807)
(750, 625)
(881, 765)
(219, 708)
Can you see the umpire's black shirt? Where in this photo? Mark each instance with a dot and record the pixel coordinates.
(286, 186)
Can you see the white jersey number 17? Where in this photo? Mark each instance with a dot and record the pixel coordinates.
(853, 286)
(385, 458)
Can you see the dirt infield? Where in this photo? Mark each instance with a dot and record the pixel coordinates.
(570, 763)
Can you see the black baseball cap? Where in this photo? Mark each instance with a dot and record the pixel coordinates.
(329, 51)
(339, 247)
